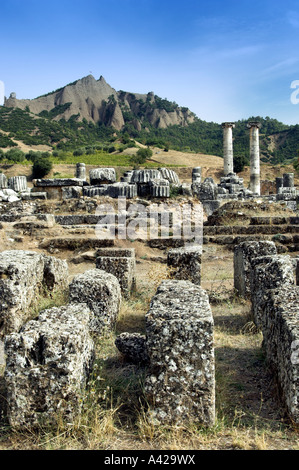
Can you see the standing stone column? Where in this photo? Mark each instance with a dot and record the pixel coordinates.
(228, 154)
(196, 175)
(81, 171)
(255, 184)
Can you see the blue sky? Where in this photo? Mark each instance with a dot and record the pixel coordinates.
(224, 59)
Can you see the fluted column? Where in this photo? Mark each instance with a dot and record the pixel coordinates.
(255, 184)
(228, 154)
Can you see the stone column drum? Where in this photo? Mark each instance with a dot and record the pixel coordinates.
(228, 155)
(255, 185)
(81, 171)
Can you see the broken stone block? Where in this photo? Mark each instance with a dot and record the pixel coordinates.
(281, 344)
(122, 268)
(101, 292)
(169, 175)
(122, 189)
(159, 188)
(133, 347)
(185, 263)
(180, 382)
(3, 181)
(21, 275)
(81, 171)
(47, 366)
(268, 272)
(18, 183)
(71, 192)
(243, 254)
(116, 252)
(55, 273)
(99, 176)
(196, 175)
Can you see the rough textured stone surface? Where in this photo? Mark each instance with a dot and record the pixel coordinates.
(81, 171)
(101, 292)
(95, 191)
(206, 191)
(170, 176)
(133, 347)
(144, 176)
(185, 263)
(17, 183)
(243, 254)
(47, 365)
(122, 189)
(116, 252)
(122, 268)
(3, 181)
(23, 274)
(268, 272)
(56, 273)
(196, 175)
(99, 176)
(180, 383)
(54, 182)
(297, 272)
(281, 343)
(71, 192)
(159, 188)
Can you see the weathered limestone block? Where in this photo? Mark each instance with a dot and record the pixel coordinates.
(21, 276)
(133, 347)
(57, 182)
(243, 253)
(169, 175)
(56, 273)
(101, 292)
(144, 176)
(185, 263)
(206, 191)
(72, 192)
(288, 180)
(159, 188)
(95, 191)
(17, 183)
(268, 272)
(297, 272)
(180, 383)
(122, 189)
(9, 195)
(99, 176)
(281, 343)
(196, 175)
(122, 268)
(81, 171)
(116, 252)
(47, 366)
(3, 181)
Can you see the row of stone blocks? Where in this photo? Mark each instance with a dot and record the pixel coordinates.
(49, 358)
(268, 280)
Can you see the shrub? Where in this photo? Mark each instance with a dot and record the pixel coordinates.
(15, 155)
(41, 167)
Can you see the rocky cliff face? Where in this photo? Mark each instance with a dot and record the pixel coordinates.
(95, 100)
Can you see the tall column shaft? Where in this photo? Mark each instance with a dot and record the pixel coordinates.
(228, 155)
(255, 184)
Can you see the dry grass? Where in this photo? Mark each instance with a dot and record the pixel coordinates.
(114, 408)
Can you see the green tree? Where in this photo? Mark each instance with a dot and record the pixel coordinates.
(41, 167)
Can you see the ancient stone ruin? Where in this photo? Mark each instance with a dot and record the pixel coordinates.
(47, 366)
(180, 382)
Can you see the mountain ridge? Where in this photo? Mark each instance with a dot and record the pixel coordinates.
(96, 101)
